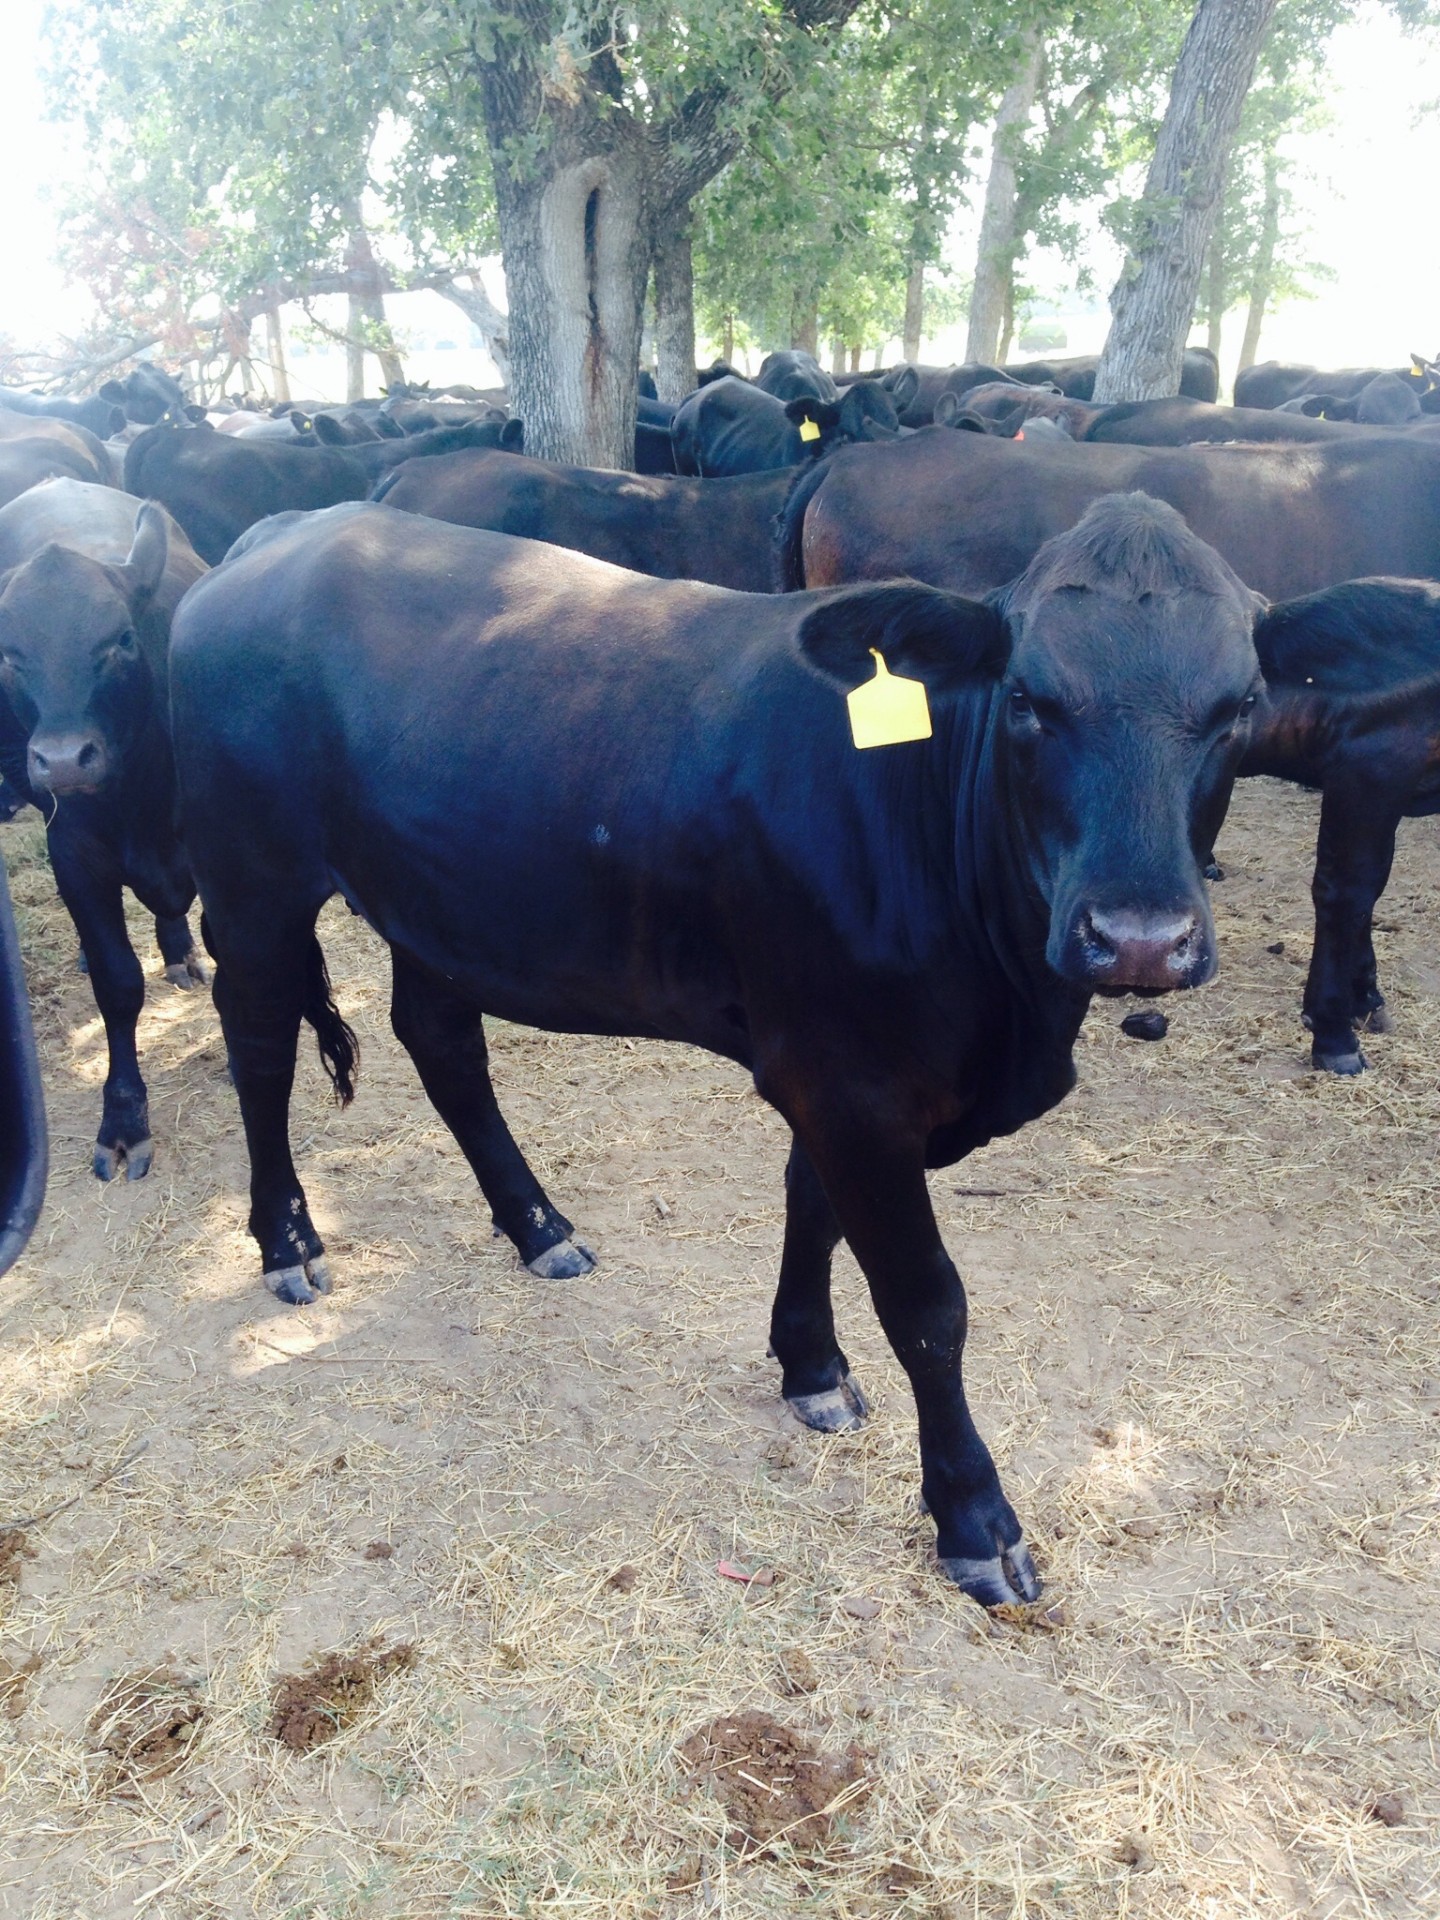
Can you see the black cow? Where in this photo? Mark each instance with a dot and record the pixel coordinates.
(1353, 710)
(34, 450)
(147, 395)
(218, 484)
(97, 416)
(676, 529)
(1389, 400)
(793, 375)
(731, 427)
(1075, 377)
(682, 842)
(1274, 382)
(654, 443)
(967, 511)
(1180, 422)
(89, 582)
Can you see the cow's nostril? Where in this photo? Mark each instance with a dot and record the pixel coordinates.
(88, 754)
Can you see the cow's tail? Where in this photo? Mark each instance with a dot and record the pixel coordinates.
(788, 552)
(339, 1049)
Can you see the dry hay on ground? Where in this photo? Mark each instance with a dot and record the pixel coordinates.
(1203, 1345)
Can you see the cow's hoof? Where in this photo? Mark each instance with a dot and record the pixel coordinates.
(566, 1260)
(1213, 870)
(299, 1286)
(189, 972)
(1347, 1063)
(82, 965)
(840, 1409)
(136, 1158)
(1008, 1580)
(1378, 1021)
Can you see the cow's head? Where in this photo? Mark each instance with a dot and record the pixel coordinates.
(73, 660)
(865, 411)
(1121, 669)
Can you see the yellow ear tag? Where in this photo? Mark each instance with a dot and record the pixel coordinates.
(809, 430)
(888, 709)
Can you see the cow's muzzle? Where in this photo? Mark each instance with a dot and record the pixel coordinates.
(1122, 951)
(67, 762)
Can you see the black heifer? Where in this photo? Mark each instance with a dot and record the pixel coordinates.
(147, 395)
(1352, 710)
(218, 484)
(592, 802)
(1075, 377)
(967, 511)
(97, 416)
(1274, 382)
(791, 374)
(719, 531)
(89, 581)
(730, 427)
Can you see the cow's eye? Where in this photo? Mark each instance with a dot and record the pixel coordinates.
(1247, 705)
(124, 641)
(1021, 705)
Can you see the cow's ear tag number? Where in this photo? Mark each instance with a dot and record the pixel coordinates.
(889, 709)
(809, 430)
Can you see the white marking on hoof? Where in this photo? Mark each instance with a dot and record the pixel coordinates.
(1008, 1580)
(139, 1158)
(291, 1285)
(180, 976)
(566, 1260)
(840, 1409)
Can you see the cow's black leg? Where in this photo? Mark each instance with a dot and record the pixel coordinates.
(444, 1035)
(261, 981)
(817, 1380)
(1353, 857)
(883, 1207)
(90, 887)
(183, 964)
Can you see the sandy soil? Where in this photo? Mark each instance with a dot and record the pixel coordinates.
(1203, 1346)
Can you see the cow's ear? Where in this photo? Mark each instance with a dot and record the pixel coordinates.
(947, 409)
(512, 435)
(114, 392)
(920, 632)
(825, 414)
(386, 426)
(144, 566)
(195, 414)
(866, 401)
(904, 383)
(327, 429)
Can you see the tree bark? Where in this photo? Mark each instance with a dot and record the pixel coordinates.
(805, 331)
(995, 254)
(674, 309)
(727, 340)
(354, 349)
(1263, 278)
(1007, 321)
(1154, 298)
(914, 326)
(275, 348)
(368, 324)
(1215, 292)
(855, 359)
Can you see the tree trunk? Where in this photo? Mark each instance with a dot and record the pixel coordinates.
(354, 349)
(1007, 321)
(914, 325)
(805, 331)
(275, 347)
(674, 308)
(487, 319)
(1154, 298)
(855, 359)
(369, 330)
(576, 265)
(1215, 292)
(995, 255)
(1263, 279)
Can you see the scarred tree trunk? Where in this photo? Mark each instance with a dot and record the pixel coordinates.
(1263, 278)
(674, 309)
(995, 254)
(914, 327)
(1154, 298)
(275, 348)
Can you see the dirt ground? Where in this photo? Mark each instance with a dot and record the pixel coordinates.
(1203, 1346)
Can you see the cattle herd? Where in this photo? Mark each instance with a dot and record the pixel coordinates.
(860, 735)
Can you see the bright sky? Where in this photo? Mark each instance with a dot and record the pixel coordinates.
(1369, 202)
